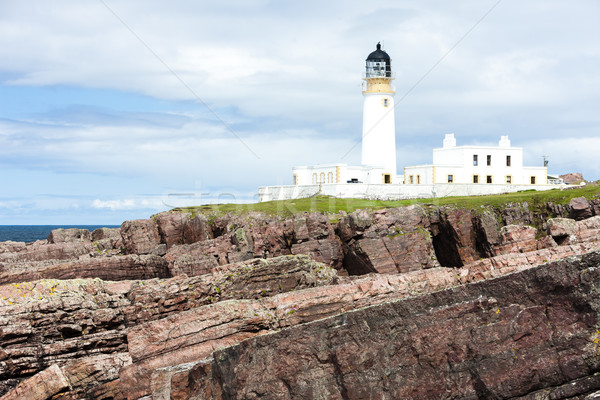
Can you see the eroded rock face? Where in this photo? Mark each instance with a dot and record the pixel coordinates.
(182, 228)
(502, 338)
(114, 268)
(387, 241)
(196, 287)
(63, 322)
(516, 239)
(454, 237)
(140, 236)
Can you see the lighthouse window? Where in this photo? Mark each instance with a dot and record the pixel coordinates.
(385, 102)
(450, 178)
(475, 159)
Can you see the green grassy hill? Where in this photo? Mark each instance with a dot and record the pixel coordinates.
(333, 205)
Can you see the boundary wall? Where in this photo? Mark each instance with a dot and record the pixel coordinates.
(391, 191)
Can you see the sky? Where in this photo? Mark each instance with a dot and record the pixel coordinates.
(116, 110)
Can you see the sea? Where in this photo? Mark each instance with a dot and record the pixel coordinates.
(31, 233)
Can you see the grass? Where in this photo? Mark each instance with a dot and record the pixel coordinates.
(332, 205)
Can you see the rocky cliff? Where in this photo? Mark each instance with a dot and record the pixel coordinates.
(409, 302)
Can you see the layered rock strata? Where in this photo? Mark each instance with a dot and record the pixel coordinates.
(166, 307)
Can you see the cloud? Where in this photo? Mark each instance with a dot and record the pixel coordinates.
(87, 101)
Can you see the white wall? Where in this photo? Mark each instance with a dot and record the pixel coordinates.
(390, 192)
(341, 173)
(379, 132)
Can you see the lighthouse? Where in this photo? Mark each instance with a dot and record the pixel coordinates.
(379, 126)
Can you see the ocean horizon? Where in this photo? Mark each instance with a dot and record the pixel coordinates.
(31, 233)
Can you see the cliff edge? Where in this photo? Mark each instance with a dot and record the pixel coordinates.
(420, 301)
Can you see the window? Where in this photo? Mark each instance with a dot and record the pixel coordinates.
(508, 178)
(450, 178)
(488, 179)
(411, 179)
(418, 179)
(330, 177)
(475, 178)
(533, 180)
(489, 160)
(475, 159)
(322, 180)
(387, 178)
(314, 178)
(386, 102)
(295, 179)
(508, 161)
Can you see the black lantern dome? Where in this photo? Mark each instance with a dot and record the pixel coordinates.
(379, 64)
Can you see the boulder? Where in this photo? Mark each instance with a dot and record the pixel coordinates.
(580, 208)
(140, 236)
(182, 228)
(41, 386)
(105, 233)
(573, 178)
(68, 235)
(562, 229)
(516, 239)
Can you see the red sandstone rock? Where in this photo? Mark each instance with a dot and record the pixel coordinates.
(42, 251)
(182, 228)
(62, 320)
(139, 236)
(105, 233)
(41, 386)
(580, 208)
(517, 214)
(387, 241)
(82, 326)
(487, 232)
(68, 235)
(561, 228)
(508, 337)
(573, 178)
(454, 237)
(516, 239)
(125, 267)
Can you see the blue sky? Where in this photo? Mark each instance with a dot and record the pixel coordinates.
(115, 110)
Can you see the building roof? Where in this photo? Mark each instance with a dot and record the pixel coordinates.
(378, 55)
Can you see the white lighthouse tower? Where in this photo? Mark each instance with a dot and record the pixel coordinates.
(379, 126)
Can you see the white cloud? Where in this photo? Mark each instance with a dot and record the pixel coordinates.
(286, 77)
(127, 204)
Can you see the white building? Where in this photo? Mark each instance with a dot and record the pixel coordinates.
(455, 171)
(476, 165)
(378, 164)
